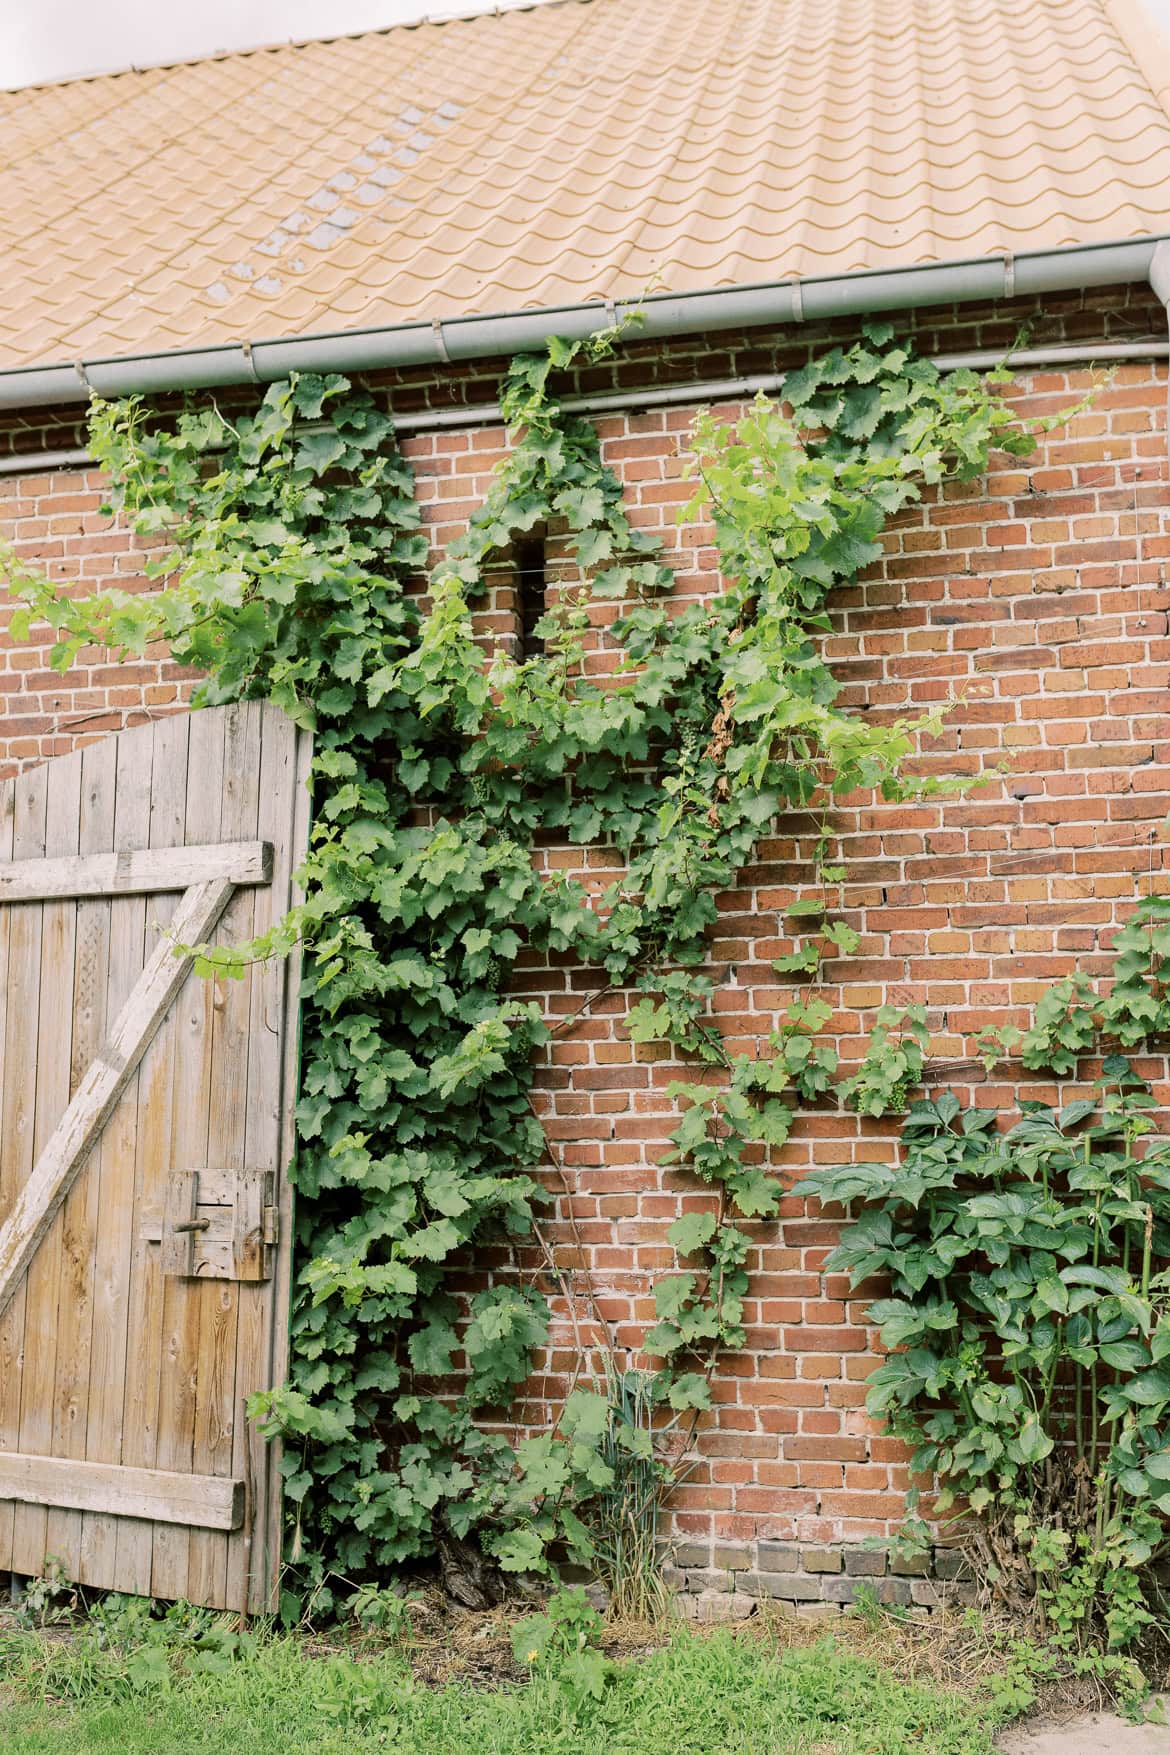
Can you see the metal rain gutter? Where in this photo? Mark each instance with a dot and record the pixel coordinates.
(448, 341)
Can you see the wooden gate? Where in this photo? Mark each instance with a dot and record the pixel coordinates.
(145, 1130)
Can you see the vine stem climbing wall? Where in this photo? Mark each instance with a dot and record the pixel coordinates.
(434, 852)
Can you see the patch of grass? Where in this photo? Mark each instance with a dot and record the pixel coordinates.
(717, 1694)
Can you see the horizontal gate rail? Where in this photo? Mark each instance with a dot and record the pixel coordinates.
(208, 1502)
(134, 873)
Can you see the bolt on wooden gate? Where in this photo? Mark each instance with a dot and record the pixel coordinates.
(145, 1134)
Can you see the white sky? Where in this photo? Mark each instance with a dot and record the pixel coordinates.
(54, 39)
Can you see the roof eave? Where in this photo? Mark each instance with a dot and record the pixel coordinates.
(451, 340)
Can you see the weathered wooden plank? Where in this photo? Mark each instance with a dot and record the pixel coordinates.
(217, 1396)
(250, 1252)
(20, 938)
(80, 1126)
(254, 1551)
(20, 1065)
(145, 1361)
(54, 1046)
(79, 1214)
(111, 1354)
(178, 1223)
(183, 1299)
(134, 872)
(205, 1501)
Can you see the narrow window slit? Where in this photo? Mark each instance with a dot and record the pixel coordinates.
(531, 584)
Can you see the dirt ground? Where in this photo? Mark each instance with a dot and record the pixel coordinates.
(1095, 1733)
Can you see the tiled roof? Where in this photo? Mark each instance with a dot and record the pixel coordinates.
(574, 150)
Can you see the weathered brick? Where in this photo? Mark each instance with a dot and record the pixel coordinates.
(894, 1592)
(712, 1606)
(688, 1554)
(865, 1562)
(731, 1559)
(821, 1559)
(910, 1565)
(777, 1557)
(839, 1590)
(794, 1587)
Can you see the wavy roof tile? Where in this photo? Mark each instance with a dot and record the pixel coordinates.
(579, 149)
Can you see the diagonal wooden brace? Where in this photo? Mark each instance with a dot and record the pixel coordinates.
(105, 1079)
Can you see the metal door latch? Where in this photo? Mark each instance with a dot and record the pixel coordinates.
(219, 1224)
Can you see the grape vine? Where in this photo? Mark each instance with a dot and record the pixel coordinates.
(291, 569)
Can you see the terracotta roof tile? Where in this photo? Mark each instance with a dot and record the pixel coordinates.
(579, 149)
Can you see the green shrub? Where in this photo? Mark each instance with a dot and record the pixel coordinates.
(1028, 1331)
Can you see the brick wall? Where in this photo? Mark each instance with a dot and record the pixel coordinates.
(1037, 601)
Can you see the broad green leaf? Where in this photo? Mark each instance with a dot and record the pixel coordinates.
(691, 1232)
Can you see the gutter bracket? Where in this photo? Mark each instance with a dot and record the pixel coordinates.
(797, 300)
(79, 368)
(246, 350)
(1009, 275)
(1160, 271)
(440, 340)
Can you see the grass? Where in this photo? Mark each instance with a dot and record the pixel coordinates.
(714, 1694)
